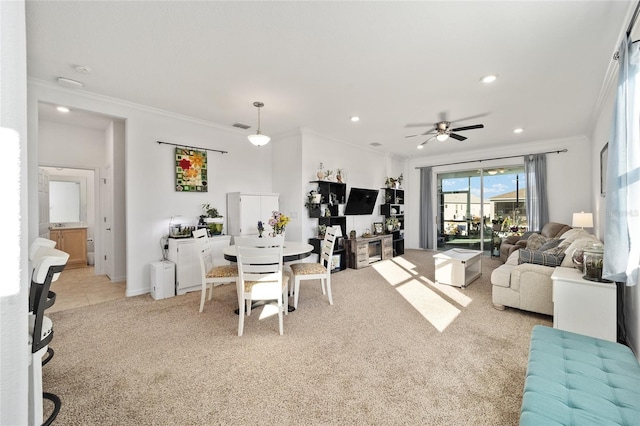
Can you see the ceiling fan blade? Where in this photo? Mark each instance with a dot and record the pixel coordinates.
(423, 143)
(458, 137)
(419, 125)
(421, 134)
(475, 126)
(470, 118)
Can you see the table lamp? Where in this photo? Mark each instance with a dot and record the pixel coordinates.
(582, 220)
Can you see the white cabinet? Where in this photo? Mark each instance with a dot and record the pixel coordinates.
(582, 306)
(244, 210)
(184, 254)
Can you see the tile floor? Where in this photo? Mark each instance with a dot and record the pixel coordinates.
(81, 287)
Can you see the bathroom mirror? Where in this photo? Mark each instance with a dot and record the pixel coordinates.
(67, 200)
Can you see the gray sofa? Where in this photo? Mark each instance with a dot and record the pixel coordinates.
(515, 242)
(528, 286)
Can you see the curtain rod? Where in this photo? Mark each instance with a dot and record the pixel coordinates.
(632, 23)
(496, 158)
(194, 147)
(633, 18)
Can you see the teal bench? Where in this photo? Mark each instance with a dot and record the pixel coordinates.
(574, 379)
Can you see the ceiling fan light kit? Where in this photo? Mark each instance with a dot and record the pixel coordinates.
(258, 139)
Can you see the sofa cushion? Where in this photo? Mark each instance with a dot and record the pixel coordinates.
(572, 235)
(554, 230)
(579, 243)
(535, 241)
(550, 244)
(539, 257)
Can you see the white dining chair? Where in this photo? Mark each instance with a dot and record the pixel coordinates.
(317, 271)
(261, 276)
(210, 273)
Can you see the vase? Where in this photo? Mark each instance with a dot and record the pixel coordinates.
(320, 174)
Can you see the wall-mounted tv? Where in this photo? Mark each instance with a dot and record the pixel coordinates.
(361, 201)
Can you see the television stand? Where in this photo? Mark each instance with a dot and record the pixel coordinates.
(363, 251)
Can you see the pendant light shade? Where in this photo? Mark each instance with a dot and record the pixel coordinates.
(258, 139)
(442, 137)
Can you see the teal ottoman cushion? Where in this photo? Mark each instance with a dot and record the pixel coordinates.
(574, 379)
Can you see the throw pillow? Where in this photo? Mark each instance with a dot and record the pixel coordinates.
(550, 244)
(535, 241)
(539, 258)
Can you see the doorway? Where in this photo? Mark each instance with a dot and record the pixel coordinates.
(478, 207)
(82, 146)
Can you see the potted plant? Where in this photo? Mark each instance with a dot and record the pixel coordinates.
(212, 218)
(322, 229)
(314, 198)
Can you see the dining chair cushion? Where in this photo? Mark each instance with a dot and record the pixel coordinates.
(223, 271)
(248, 285)
(308, 269)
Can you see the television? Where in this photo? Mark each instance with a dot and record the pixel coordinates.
(361, 201)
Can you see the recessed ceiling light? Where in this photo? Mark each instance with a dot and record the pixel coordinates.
(63, 109)
(354, 118)
(518, 130)
(489, 78)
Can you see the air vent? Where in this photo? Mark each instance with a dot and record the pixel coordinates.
(375, 144)
(241, 126)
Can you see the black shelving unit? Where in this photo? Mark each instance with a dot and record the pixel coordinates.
(394, 207)
(333, 196)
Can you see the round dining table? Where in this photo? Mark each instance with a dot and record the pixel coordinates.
(290, 252)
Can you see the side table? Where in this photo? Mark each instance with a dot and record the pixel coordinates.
(583, 306)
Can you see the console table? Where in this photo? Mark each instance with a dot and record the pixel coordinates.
(363, 251)
(583, 306)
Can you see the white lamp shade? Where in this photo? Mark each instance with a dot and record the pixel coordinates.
(442, 137)
(582, 220)
(258, 139)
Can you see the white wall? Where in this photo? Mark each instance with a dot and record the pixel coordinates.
(70, 146)
(568, 175)
(362, 169)
(150, 197)
(13, 292)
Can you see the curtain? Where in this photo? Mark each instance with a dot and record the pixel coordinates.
(535, 171)
(427, 228)
(622, 221)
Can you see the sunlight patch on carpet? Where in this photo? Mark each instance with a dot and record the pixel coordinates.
(269, 310)
(391, 272)
(401, 261)
(452, 292)
(433, 307)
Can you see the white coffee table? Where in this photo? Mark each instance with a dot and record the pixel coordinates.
(458, 267)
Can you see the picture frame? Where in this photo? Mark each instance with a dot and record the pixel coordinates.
(604, 159)
(378, 228)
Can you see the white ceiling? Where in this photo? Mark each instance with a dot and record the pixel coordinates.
(315, 64)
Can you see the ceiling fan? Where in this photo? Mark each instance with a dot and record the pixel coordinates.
(442, 130)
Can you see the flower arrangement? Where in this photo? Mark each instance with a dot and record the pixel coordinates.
(278, 222)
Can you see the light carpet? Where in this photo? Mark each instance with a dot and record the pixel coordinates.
(374, 357)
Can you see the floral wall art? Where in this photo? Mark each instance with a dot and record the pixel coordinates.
(191, 170)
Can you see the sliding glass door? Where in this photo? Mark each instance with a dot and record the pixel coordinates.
(476, 208)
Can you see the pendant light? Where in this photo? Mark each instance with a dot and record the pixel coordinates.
(259, 139)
